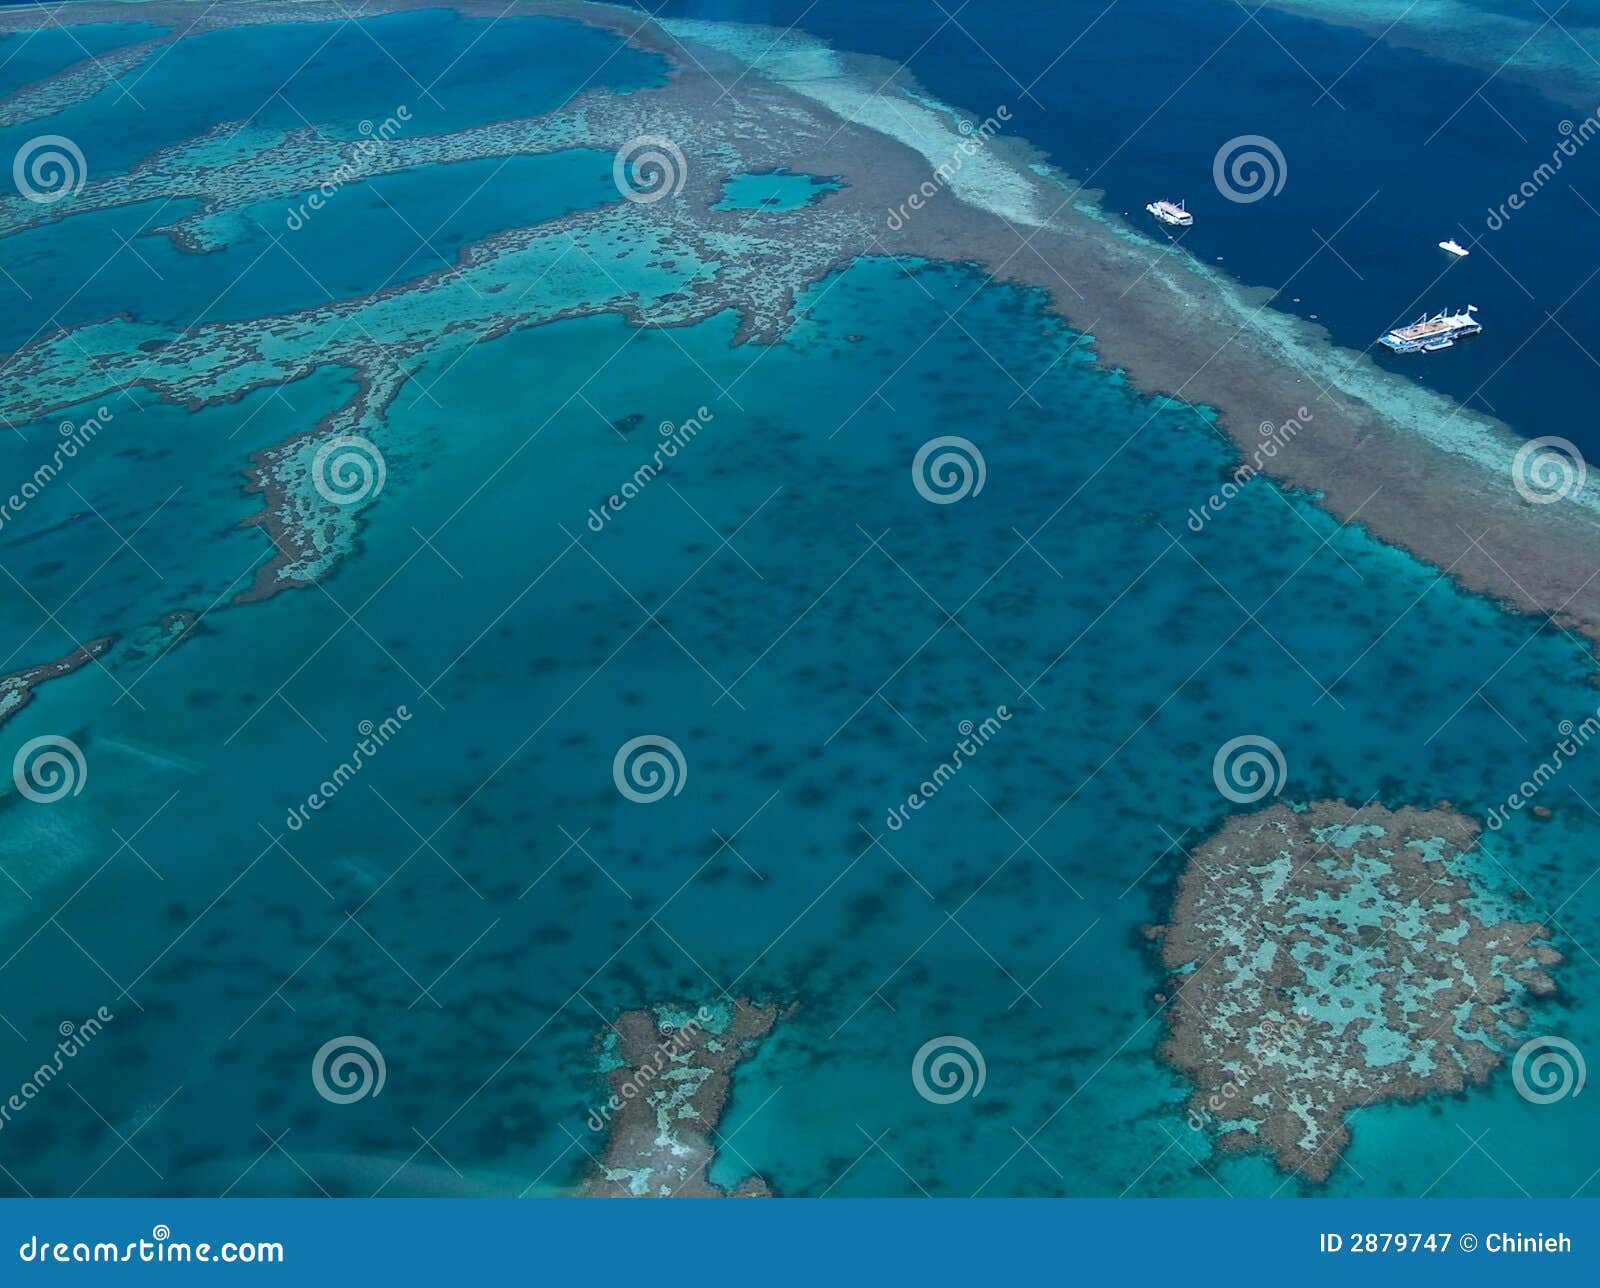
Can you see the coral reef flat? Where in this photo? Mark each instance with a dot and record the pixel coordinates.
(1333, 957)
(670, 1068)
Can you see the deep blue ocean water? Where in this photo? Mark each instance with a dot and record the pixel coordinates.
(482, 899)
(1402, 152)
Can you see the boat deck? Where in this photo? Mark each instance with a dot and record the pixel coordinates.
(1438, 332)
(1169, 212)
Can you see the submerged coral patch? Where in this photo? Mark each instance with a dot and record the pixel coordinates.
(668, 1070)
(1327, 958)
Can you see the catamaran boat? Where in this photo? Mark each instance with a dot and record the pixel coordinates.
(1430, 335)
(1171, 212)
(1455, 248)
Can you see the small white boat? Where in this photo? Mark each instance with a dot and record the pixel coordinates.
(1171, 212)
(1455, 248)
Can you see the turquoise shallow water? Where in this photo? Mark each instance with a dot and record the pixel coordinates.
(783, 605)
(777, 190)
(514, 664)
(26, 57)
(371, 235)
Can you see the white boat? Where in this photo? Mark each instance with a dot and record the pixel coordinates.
(1455, 248)
(1171, 212)
(1430, 335)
